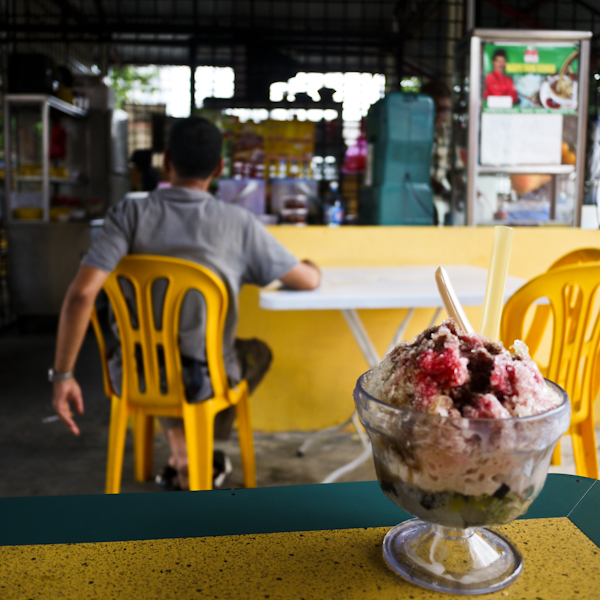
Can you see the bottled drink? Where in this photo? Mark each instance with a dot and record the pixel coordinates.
(282, 173)
(272, 169)
(317, 168)
(330, 169)
(333, 207)
(305, 172)
(294, 170)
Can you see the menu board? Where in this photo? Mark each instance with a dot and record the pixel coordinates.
(521, 139)
(540, 78)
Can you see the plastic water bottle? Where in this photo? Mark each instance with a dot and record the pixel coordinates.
(333, 212)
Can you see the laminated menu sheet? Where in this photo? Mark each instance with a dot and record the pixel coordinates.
(521, 139)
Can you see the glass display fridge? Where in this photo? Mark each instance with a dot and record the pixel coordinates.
(64, 166)
(519, 127)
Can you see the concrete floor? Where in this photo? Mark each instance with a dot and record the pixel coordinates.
(40, 458)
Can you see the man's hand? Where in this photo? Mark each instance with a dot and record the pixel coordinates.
(63, 394)
(304, 276)
(72, 326)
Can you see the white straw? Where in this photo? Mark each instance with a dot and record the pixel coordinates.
(496, 283)
(450, 300)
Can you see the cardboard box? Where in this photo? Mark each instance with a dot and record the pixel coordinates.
(285, 189)
(249, 193)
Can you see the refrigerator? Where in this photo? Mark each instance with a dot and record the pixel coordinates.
(54, 206)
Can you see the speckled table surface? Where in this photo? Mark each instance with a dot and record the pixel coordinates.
(317, 541)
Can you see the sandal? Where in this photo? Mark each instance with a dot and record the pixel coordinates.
(168, 479)
(221, 468)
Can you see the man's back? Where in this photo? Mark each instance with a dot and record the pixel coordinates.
(192, 225)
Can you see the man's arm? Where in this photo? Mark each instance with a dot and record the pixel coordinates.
(72, 326)
(303, 276)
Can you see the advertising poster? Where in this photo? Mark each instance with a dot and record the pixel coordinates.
(534, 79)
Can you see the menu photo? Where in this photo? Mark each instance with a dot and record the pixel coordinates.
(541, 78)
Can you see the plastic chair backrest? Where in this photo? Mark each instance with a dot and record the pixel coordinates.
(542, 312)
(576, 257)
(573, 296)
(157, 346)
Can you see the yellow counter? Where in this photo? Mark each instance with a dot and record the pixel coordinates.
(316, 360)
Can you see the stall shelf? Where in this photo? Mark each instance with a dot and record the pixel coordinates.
(46, 240)
(528, 135)
(45, 104)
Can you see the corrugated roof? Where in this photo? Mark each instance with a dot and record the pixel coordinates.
(312, 34)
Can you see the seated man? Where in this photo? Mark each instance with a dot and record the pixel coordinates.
(183, 221)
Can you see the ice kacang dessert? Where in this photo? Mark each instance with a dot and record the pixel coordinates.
(462, 430)
(449, 374)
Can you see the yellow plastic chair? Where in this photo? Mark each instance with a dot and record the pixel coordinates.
(574, 362)
(541, 316)
(149, 342)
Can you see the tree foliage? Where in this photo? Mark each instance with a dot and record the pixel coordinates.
(125, 80)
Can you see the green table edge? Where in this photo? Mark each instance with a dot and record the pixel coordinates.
(145, 516)
(588, 505)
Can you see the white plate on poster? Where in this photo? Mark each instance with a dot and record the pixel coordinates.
(548, 99)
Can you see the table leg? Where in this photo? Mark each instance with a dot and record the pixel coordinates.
(359, 460)
(435, 316)
(401, 329)
(361, 336)
(405, 322)
(372, 358)
(317, 434)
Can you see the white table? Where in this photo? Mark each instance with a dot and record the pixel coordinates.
(349, 289)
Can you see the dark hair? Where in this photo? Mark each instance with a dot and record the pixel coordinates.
(499, 52)
(195, 147)
(142, 159)
(436, 89)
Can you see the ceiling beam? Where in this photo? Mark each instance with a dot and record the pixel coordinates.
(424, 13)
(326, 48)
(100, 9)
(593, 9)
(182, 27)
(68, 10)
(525, 14)
(207, 35)
(513, 13)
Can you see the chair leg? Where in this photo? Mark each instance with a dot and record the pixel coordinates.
(116, 444)
(199, 420)
(244, 425)
(143, 445)
(556, 456)
(584, 448)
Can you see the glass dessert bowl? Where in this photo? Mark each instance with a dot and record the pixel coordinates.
(458, 475)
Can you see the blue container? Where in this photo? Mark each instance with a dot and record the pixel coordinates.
(397, 189)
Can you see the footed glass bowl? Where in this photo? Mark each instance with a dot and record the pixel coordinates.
(458, 475)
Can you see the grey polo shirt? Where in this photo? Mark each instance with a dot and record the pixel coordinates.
(193, 225)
